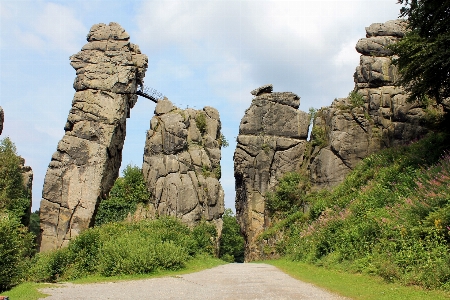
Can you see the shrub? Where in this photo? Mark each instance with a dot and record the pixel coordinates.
(125, 248)
(289, 195)
(126, 193)
(200, 121)
(356, 99)
(16, 247)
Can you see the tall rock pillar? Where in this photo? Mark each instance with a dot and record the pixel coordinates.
(83, 169)
(182, 164)
(271, 142)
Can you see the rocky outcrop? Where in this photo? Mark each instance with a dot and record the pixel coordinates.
(83, 169)
(182, 164)
(271, 142)
(376, 114)
(2, 119)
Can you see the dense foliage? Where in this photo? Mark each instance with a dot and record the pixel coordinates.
(14, 198)
(126, 193)
(289, 194)
(423, 54)
(390, 217)
(125, 248)
(231, 241)
(16, 243)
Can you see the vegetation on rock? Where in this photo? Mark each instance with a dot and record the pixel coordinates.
(126, 193)
(390, 217)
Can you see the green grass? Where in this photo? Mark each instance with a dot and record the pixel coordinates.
(29, 290)
(354, 286)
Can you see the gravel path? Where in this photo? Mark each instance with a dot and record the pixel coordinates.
(231, 281)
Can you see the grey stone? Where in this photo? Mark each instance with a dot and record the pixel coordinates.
(88, 157)
(375, 46)
(395, 28)
(271, 142)
(182, 165)
(268, 88)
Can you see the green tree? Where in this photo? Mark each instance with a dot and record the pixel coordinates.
(126, 193)
(14, 197)
(424, 53)
(231, 241)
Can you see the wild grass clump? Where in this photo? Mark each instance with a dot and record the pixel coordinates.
(390, 217)
(125, 249)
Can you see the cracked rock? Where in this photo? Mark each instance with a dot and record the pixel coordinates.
(182, 164)
(87, 160)
(271, 142)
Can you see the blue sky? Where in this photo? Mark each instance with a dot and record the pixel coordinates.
(200, 53)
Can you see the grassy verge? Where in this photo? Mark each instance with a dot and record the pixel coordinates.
(30, 291)
(354, 286)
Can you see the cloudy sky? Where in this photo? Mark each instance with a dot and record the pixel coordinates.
(200, 53)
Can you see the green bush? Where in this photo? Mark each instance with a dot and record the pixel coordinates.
(289, 195)
(125, 248)
(200, 121)
(356, 99)
(16, 247)
(231, 242)
(126, 193)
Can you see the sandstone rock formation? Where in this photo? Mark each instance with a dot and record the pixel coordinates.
(376, 114)
(182, 164)
(2, 119)
(271, 142)
(83, 169)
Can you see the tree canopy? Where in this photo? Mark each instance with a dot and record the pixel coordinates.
(424, 53)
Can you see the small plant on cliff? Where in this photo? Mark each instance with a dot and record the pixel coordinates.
(223, 141)
(126, 193)
(200, 121)
(312, 114)
(356, 99)
(319, 136)
(231, 241)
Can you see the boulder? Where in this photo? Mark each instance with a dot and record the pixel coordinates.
(87, 160)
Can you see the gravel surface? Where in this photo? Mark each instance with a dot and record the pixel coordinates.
(231, 281)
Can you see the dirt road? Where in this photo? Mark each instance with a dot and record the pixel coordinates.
(231, 281)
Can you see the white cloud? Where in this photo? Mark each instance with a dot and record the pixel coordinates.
(42, 27)
(347, 56)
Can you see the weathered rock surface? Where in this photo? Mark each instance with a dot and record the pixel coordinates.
(2, 119)
(271, 142)
(83, 169)
(351, 128)
(182, 164)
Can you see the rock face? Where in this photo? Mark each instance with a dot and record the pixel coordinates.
(2, 119)
(83, 169)
(376, 114)
(272, 134)
(271, 142)
(182, 164)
